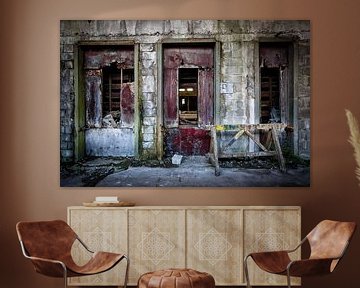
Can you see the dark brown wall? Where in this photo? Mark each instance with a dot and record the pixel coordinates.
(29, 113)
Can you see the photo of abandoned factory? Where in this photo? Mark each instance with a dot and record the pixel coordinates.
(185, 103)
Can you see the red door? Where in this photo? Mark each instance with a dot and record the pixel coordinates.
(188, 99)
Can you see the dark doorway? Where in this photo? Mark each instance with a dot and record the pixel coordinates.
(276, 88)
(188, 96)
(270, 95)
(276, 76)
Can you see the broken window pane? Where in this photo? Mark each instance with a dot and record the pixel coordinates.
(109, 89)
(188, 96)
(114, 82)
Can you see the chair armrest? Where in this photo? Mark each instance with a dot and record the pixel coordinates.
(309, 267)
(281, 251)
(48, 267)
(269, 253)
(32, 258)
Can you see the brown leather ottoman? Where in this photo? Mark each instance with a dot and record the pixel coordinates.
(176, 278)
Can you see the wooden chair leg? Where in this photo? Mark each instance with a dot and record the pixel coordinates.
(278, 150)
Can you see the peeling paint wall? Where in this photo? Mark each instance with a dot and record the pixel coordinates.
(109, 100)
(237, 100)
(109, 142)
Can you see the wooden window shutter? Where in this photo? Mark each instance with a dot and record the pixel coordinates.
(170, 98)
(206, 97)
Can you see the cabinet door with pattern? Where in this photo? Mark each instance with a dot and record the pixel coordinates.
(156, 240)
(270, 230)
(101, 230)
(214, 241)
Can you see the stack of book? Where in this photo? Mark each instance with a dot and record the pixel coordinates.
(106, 199)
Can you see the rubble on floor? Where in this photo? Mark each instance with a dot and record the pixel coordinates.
(91, 171)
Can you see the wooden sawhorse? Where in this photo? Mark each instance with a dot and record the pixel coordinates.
(247, 130)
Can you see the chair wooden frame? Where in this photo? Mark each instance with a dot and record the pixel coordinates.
(60, 267)
(319, 262)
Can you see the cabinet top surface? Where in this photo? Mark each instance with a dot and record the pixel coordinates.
(191, 207)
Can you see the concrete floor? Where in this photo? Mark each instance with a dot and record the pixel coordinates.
(197, 172)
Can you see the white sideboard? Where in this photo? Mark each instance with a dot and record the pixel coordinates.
(212, 239)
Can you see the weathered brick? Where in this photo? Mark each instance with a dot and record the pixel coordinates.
(148, 60)
(147, 137)
(67, 56)
(68, 130)
(147, 47)
(63, 145)
(180, 26)
(148, 145)
(149, 121)
(68, 48)
(148, 97)
(69, 65)
(148, 129)
(148, 84)
(227, 87)
(67, 153)
(148, 72)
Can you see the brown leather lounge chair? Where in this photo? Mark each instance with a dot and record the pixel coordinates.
(48, 245)
(328, 242)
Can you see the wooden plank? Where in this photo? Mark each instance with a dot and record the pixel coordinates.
(273, 55)
(98, 58)
(215, 151)
(80, 106)
(127, 105)
(278, 150)
(206, 97)
(247, 154)
(284, 94)
(174, 57)
(170, 98)
(251, 127)
(236, 137)
(252, 137)
(93, 97)
(265, 152)
(268, 140)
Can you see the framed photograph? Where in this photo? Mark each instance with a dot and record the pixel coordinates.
(185, 103)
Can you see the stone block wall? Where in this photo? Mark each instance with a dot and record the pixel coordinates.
(67, 98)
(304, 93)
(148, 97)
(237, 39)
